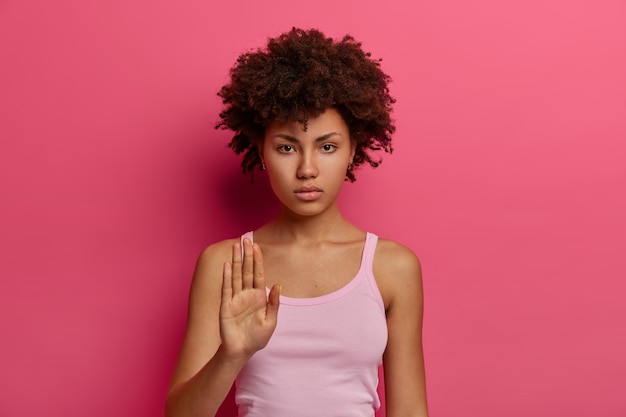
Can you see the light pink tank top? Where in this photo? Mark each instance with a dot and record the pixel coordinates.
(324, 355)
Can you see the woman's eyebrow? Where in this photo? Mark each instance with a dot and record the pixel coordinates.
(295, 140)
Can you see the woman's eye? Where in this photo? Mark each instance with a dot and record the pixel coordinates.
(328, 147)
(285, 148)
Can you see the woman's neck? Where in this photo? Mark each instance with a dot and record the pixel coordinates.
(291, 227)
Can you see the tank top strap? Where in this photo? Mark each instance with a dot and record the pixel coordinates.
(248, 235)
(368, 251)
(245, 235)
(367, 268)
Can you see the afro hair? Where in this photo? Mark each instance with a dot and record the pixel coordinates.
(299, 75)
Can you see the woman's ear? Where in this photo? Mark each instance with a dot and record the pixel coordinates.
(352, 151)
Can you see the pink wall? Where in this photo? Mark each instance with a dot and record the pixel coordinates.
(508, 180)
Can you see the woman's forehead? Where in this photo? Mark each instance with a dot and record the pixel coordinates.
(327, 122)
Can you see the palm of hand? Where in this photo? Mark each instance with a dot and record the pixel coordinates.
(243, 323)
(247, 314)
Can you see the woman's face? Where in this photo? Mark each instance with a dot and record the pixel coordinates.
(307, 169)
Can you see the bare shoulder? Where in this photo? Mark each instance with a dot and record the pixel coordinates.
(395, 261)
(218, 252)
(207, 277)
(210, 262)
(397, 270)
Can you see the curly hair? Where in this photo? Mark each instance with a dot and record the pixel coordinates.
(299, 75)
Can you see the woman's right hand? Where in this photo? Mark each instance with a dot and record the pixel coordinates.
(247, 315)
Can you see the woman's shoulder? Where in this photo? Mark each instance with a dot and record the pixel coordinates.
(393, 255)
(397, 270)
(220, 251)
(219, 248)
(207, 276)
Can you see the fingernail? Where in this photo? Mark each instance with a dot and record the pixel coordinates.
(280, 289)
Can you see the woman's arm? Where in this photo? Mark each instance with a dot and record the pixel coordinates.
(398, 274)
(229, 319)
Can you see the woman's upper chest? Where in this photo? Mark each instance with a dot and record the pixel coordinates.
(306, 272)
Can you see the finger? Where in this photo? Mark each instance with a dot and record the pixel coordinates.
(227, 289)
(236, 269)
(248, 264)
(273, 302)
(259, 277)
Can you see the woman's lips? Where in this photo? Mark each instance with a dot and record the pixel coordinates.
(308, 193)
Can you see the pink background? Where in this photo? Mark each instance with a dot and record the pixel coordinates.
(508, 181)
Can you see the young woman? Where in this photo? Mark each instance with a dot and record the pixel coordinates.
(301, 312)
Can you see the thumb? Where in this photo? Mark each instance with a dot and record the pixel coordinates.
(273, 301)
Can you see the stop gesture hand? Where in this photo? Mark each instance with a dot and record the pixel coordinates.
(247, 314)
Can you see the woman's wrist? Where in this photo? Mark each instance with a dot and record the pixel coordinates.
(234, 361)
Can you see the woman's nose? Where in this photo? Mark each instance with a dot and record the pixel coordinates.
(307, 167)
